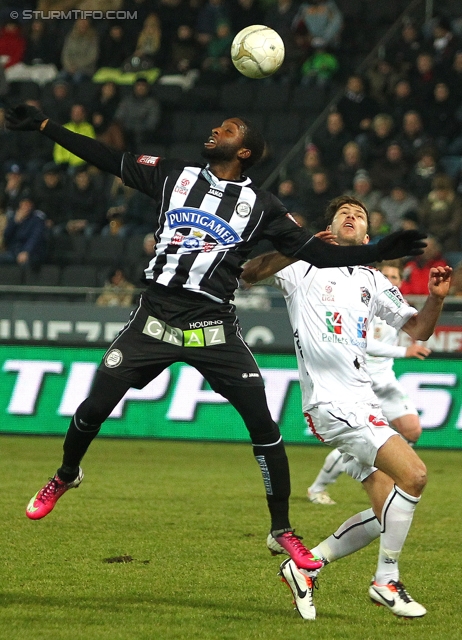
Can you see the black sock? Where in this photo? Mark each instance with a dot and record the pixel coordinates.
(275, 470)
(75, 445)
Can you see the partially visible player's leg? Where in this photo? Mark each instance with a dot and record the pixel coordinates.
(331, 469)
(106, 392)
(409, 427)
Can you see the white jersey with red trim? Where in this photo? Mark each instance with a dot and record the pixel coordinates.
(330, 311)
(380, 361)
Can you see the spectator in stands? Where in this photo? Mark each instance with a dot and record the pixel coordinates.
(138, 114)
(319, 69)
(129, 213)
(382, 78)
(375, 141)
(49, 194)
(410, 220)
(402, 101)
(363, 191)
(453, 77)
(404, 53)
(445, 43)
(280, 17)
(185, 52)
(244, 13)
(456, 281)
(117, 291)
(439, 117)
(416, 272)
(331, 139)
(114, 49)
(15, 182)
(349, 166)
(103, 110)
(356, 107)
(303, 177)
(12, 44)
(59, 102)
(148, 50)
(8, 143)
(423, 172)
(24, 236)
(174, 13)
(319, 196)
(397, 203)
(85, 205)
(212, 13)
(138, 263)
(77, 124)
(378, 225)
(80, 51)
(423, 78)
(318, 23)
(143, 8)
(392, 168)
(41, 46)
(441, 214)
(33, 150)
(287, 195)
(217, 67)
(412, 137)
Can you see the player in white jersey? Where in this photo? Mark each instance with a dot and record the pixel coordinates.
(330, 311)
(382, 348)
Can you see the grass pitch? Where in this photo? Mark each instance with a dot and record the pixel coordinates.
(193, 519)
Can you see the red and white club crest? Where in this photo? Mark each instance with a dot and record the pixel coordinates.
(151, 161)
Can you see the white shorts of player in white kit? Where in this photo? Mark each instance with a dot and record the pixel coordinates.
(357, 430)
(394, 401)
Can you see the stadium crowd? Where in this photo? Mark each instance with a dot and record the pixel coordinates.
(393, 139)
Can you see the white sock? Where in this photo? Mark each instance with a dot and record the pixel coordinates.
(331, 469)
(397, 514)
(354, 534)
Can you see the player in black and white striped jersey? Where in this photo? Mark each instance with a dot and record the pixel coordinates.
(209, 219)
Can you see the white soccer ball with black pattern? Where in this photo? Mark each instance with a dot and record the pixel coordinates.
(257, 51)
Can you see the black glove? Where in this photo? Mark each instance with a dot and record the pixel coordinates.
(24, 117)
(401, 243)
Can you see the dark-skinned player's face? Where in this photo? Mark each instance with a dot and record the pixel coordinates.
(225, 141)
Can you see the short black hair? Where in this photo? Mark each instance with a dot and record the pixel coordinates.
(335, 204)
(253, 140)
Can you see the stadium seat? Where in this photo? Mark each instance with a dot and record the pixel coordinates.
(79, 275)
(66, 249)
(181, 126)
(308, 99)
(185, 151)
(48, 275)
(104, 250)
(11, 274)
(283, 127)
(237, 97)
(271, 97)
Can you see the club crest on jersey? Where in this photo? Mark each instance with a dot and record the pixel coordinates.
(151, 161)
(243, 209)
(183, 187)
(365, 296)
(198, 220)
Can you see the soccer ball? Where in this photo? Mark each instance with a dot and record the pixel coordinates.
(257, 51)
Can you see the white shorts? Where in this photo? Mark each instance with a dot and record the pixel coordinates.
(394, 401)
(357, 430)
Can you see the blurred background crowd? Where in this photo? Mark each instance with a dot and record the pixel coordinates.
(387, 130)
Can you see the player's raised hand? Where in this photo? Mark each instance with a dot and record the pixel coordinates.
(418, 351)
(24, 117)
(401, 243)
(326, 236)
(439, 281)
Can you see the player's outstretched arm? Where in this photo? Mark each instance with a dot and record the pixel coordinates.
(265, 266)
(422, 325)
(395, 245)
(25, 117)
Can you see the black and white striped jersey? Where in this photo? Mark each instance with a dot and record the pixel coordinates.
(207, 227)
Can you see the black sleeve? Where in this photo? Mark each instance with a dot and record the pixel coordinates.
(86, 148)
(322, 254)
